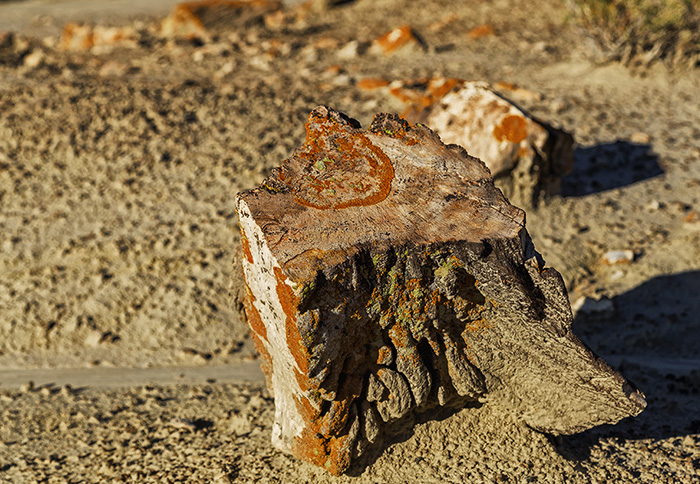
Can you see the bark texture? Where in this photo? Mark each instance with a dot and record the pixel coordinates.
(386, 275)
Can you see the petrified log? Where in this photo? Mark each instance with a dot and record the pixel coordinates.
(527, 157)
(386, 275)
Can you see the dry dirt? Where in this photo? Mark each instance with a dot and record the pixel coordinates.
(118, 172)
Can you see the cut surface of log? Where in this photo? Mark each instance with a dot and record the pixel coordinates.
(386, 275)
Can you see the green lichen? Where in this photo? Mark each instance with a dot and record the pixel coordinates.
(307, 290)
(320, 165)
(446, 267)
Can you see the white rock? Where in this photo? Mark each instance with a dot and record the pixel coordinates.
(349, 51)
(35, 59)
(587, 305)
(618, 257)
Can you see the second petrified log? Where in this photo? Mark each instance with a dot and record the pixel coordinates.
(527, 157)
(386, 275)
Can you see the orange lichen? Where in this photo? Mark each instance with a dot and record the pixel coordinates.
(384, 354)
(333, 453)
(245, 245)
(513, 128)
(289, 302)
(475, 327)
(325, 439)
(254, 320)
(341, 168)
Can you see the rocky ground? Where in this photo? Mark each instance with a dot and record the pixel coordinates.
(119, 165)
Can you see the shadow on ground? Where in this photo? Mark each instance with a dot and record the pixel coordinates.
(653, 339)
(609, 165)
(402, 430)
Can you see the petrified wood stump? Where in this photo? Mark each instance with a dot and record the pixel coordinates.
(386, 275)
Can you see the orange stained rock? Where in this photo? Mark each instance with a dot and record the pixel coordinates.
(275, 19)
(395, 39)
(422, 93)
(333, 70)
(371, 83)
(518, 93)
(513, 128)
(85, 37)
(439, 86)
(333, 454)
(186, 18)
(77, 36)
(479, 31)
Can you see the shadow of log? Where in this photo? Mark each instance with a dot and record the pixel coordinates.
(653, 338)
(609, 165)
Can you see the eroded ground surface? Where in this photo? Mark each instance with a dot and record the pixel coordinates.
(118, 172)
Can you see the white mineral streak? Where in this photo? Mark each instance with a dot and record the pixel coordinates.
(262, 283)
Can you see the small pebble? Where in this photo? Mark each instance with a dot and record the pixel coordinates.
(587, 305)
(618, 257)
(617, 275)
(27, 387)
(349, 51)
(654, 205)
(35, 59)
(640, 138)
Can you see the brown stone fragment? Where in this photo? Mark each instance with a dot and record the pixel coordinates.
(483, 30)
(387, 276)
(370, 83)
(201, 19)
(401, 39)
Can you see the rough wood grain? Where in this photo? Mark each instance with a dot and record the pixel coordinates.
(386, 275)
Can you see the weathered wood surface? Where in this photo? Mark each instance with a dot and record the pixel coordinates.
(386, 275)
(527, 157)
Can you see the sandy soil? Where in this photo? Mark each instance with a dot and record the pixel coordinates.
(118, 172)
